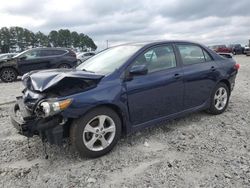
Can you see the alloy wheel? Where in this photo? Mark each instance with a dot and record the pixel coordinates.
(8, 75)
(99, 133)
(220, 98)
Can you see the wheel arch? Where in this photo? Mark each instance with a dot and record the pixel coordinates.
(225, 81)
(3, 67)
(64, 63)
(116, 109)
(119, 112)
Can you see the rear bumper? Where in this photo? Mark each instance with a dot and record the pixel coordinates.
(49, 129)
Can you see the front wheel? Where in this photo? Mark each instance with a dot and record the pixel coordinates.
(96, 133)
(8, 74)
(219, 99)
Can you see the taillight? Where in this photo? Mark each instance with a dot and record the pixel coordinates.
(71, 53)
(237, 66)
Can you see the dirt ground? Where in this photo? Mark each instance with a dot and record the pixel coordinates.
(199, 150)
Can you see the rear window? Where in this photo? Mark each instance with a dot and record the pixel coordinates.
(59, 52)
(192, 54)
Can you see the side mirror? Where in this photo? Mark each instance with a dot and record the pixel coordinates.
(138, 70)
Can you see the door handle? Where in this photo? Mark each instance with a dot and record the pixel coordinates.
(177, 76)
(213, 68)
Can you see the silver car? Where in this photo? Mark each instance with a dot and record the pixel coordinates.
(83, 56)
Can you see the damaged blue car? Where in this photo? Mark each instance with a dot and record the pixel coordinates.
(121, 90)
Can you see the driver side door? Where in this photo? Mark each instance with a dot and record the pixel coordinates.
(158, 93)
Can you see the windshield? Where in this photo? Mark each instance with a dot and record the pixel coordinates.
(108, 60)
(19, 55)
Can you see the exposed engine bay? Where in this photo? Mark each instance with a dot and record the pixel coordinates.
(37, 112)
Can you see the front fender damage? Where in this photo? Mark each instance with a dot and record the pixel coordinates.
(44, 85)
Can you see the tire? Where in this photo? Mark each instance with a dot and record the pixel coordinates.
(8, 74)
(64, 66)
(219, 99)
(87, 135)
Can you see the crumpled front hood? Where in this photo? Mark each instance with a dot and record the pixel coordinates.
(43, 80)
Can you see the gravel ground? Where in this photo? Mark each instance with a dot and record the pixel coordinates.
(199, 150)
(9, 91)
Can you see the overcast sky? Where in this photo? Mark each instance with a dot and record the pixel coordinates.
(205, 21)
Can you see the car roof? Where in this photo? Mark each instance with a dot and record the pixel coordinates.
(145, 43)
(86, 52)
(49, 48)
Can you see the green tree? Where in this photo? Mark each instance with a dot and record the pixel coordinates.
(5, 39)
(64, 38)
(19, 39)
(90, 43)
(53, 38)
(42, 40)
(82, 44)
(75, 39)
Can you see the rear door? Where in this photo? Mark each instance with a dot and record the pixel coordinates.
(199, 74)
(159, 93)
(52, 58)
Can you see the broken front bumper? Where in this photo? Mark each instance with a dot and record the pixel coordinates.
(28, 124)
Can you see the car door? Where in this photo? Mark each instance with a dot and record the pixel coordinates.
(158, 93)
(32, 60)
(199, 74)
(51, 58)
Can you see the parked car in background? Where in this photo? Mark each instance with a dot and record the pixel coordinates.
(236, 49)
(121, 90)
(247, 50)
(83, 56)
(36, 59)
(225, 55)
(221, 48)
(7, 56)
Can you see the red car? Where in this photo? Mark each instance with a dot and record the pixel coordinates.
(221, 48)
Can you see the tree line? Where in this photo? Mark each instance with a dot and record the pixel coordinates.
(18, 39)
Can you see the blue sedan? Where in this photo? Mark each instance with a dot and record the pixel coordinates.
(121, 90)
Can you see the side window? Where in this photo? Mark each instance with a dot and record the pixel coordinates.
(157, 58)
(59, 52)
(207, 56)
(32, 54)
(191, 54)
(45, 53)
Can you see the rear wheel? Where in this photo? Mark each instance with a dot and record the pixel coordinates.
(96, 133)
(219, 99)
(8, 74)
(64, 66)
